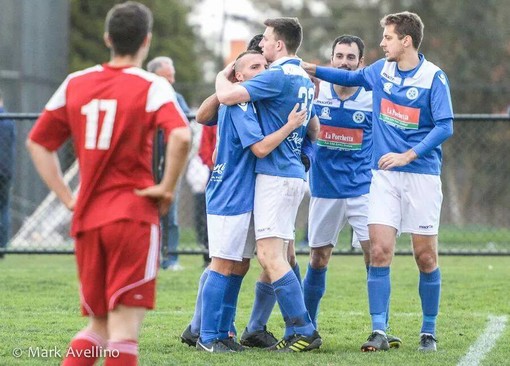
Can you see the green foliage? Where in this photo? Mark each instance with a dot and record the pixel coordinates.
(172, 36)
(40, 309)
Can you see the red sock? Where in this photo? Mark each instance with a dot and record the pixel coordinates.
(84, 349)
(122, 353)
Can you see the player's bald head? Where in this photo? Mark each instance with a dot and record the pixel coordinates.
(248, 64)
(243, 58)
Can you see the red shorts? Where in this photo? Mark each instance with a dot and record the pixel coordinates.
(117, 264)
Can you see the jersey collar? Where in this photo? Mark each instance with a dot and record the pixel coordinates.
(285, 59)
(414, 73)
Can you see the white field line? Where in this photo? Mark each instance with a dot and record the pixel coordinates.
(485, 342)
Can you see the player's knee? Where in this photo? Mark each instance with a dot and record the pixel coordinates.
(98, 325)
(124, 322)
(241, 268)
(319, 258)
(271, 264)
(380, 255)
(426, 261)
(292, 260)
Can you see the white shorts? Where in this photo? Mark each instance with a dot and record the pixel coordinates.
(409, 202)
(277, 201)
(327, 217)
(231, 237)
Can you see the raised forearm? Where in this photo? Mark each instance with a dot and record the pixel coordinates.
(229, 93)
(208, 110)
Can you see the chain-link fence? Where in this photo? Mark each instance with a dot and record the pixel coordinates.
(475, 217)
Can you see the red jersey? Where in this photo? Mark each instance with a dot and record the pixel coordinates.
(207, 145)
(111, 115)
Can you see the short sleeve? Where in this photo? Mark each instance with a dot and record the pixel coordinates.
(247, 124)
(267, 84)
(52, 128)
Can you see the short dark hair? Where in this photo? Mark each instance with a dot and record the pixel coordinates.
(406, 24)
(287, 30)
(254, 43)
(349, 39)
(127, 25)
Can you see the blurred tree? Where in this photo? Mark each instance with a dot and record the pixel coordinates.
(171, 37)
(470, 42)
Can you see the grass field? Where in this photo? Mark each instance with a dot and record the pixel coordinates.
(39, 311)
(470, 238)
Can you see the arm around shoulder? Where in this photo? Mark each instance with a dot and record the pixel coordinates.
(295, 119)
(229, 93)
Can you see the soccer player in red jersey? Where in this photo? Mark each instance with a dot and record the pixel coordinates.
(111, 112)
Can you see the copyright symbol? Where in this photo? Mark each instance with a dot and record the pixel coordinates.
(17, 352)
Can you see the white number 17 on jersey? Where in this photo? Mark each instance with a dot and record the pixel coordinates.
(91, 111)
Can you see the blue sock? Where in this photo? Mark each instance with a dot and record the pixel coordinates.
(387, 309)
(196, 320)
(314, 287)
(230, 305)
(262, 306)
(388, 315)
(290, 298)
(213, 294)
(297, 272)
(430, 293)
(379, 288)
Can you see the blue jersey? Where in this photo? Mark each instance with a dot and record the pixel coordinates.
(343, 150)
(231, 188)
(276, 91)
(411, 110)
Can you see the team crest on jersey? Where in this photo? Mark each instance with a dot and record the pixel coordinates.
(358, 117)
(387, 87)
(442, 77)
(412, 93)
(219, 168)
(325, 113)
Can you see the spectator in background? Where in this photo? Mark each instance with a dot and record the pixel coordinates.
(7, 151)
(164, 66)
(205, 153)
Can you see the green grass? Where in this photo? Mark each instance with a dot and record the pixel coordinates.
(471, 238)
(39, 308)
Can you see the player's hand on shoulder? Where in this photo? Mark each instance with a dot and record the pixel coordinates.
(296, 119)
(309, 68)
(159, 194)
